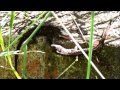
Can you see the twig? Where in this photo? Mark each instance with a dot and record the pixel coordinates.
(67, 68)
(78, 29)
(18, 52)
(33, 52)
(76, 56)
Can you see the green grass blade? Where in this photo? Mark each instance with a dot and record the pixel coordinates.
(12, 20)
(24, 71)
(1, 40)
(8, 54)
(35, 31)
(11, 24)
(11, 65)
(90, 45)
(26, 30)
(2, 43)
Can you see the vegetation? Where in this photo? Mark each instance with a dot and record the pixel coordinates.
(7, 52)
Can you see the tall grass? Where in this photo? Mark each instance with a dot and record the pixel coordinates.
(8, 54)
(11, 43)
(90, 46)
(8, 57)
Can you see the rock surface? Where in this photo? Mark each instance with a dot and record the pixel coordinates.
(50, 64)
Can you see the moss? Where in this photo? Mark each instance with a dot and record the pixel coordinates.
(51, 64)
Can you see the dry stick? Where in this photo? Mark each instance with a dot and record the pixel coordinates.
(32, 52)
(97, 70)
(78, 29)
(67, 68)
(19, 52)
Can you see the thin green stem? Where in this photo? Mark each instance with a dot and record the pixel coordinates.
(8, 54)
(38, 28)
(90, 45)
(11, 24)
(24, 71)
